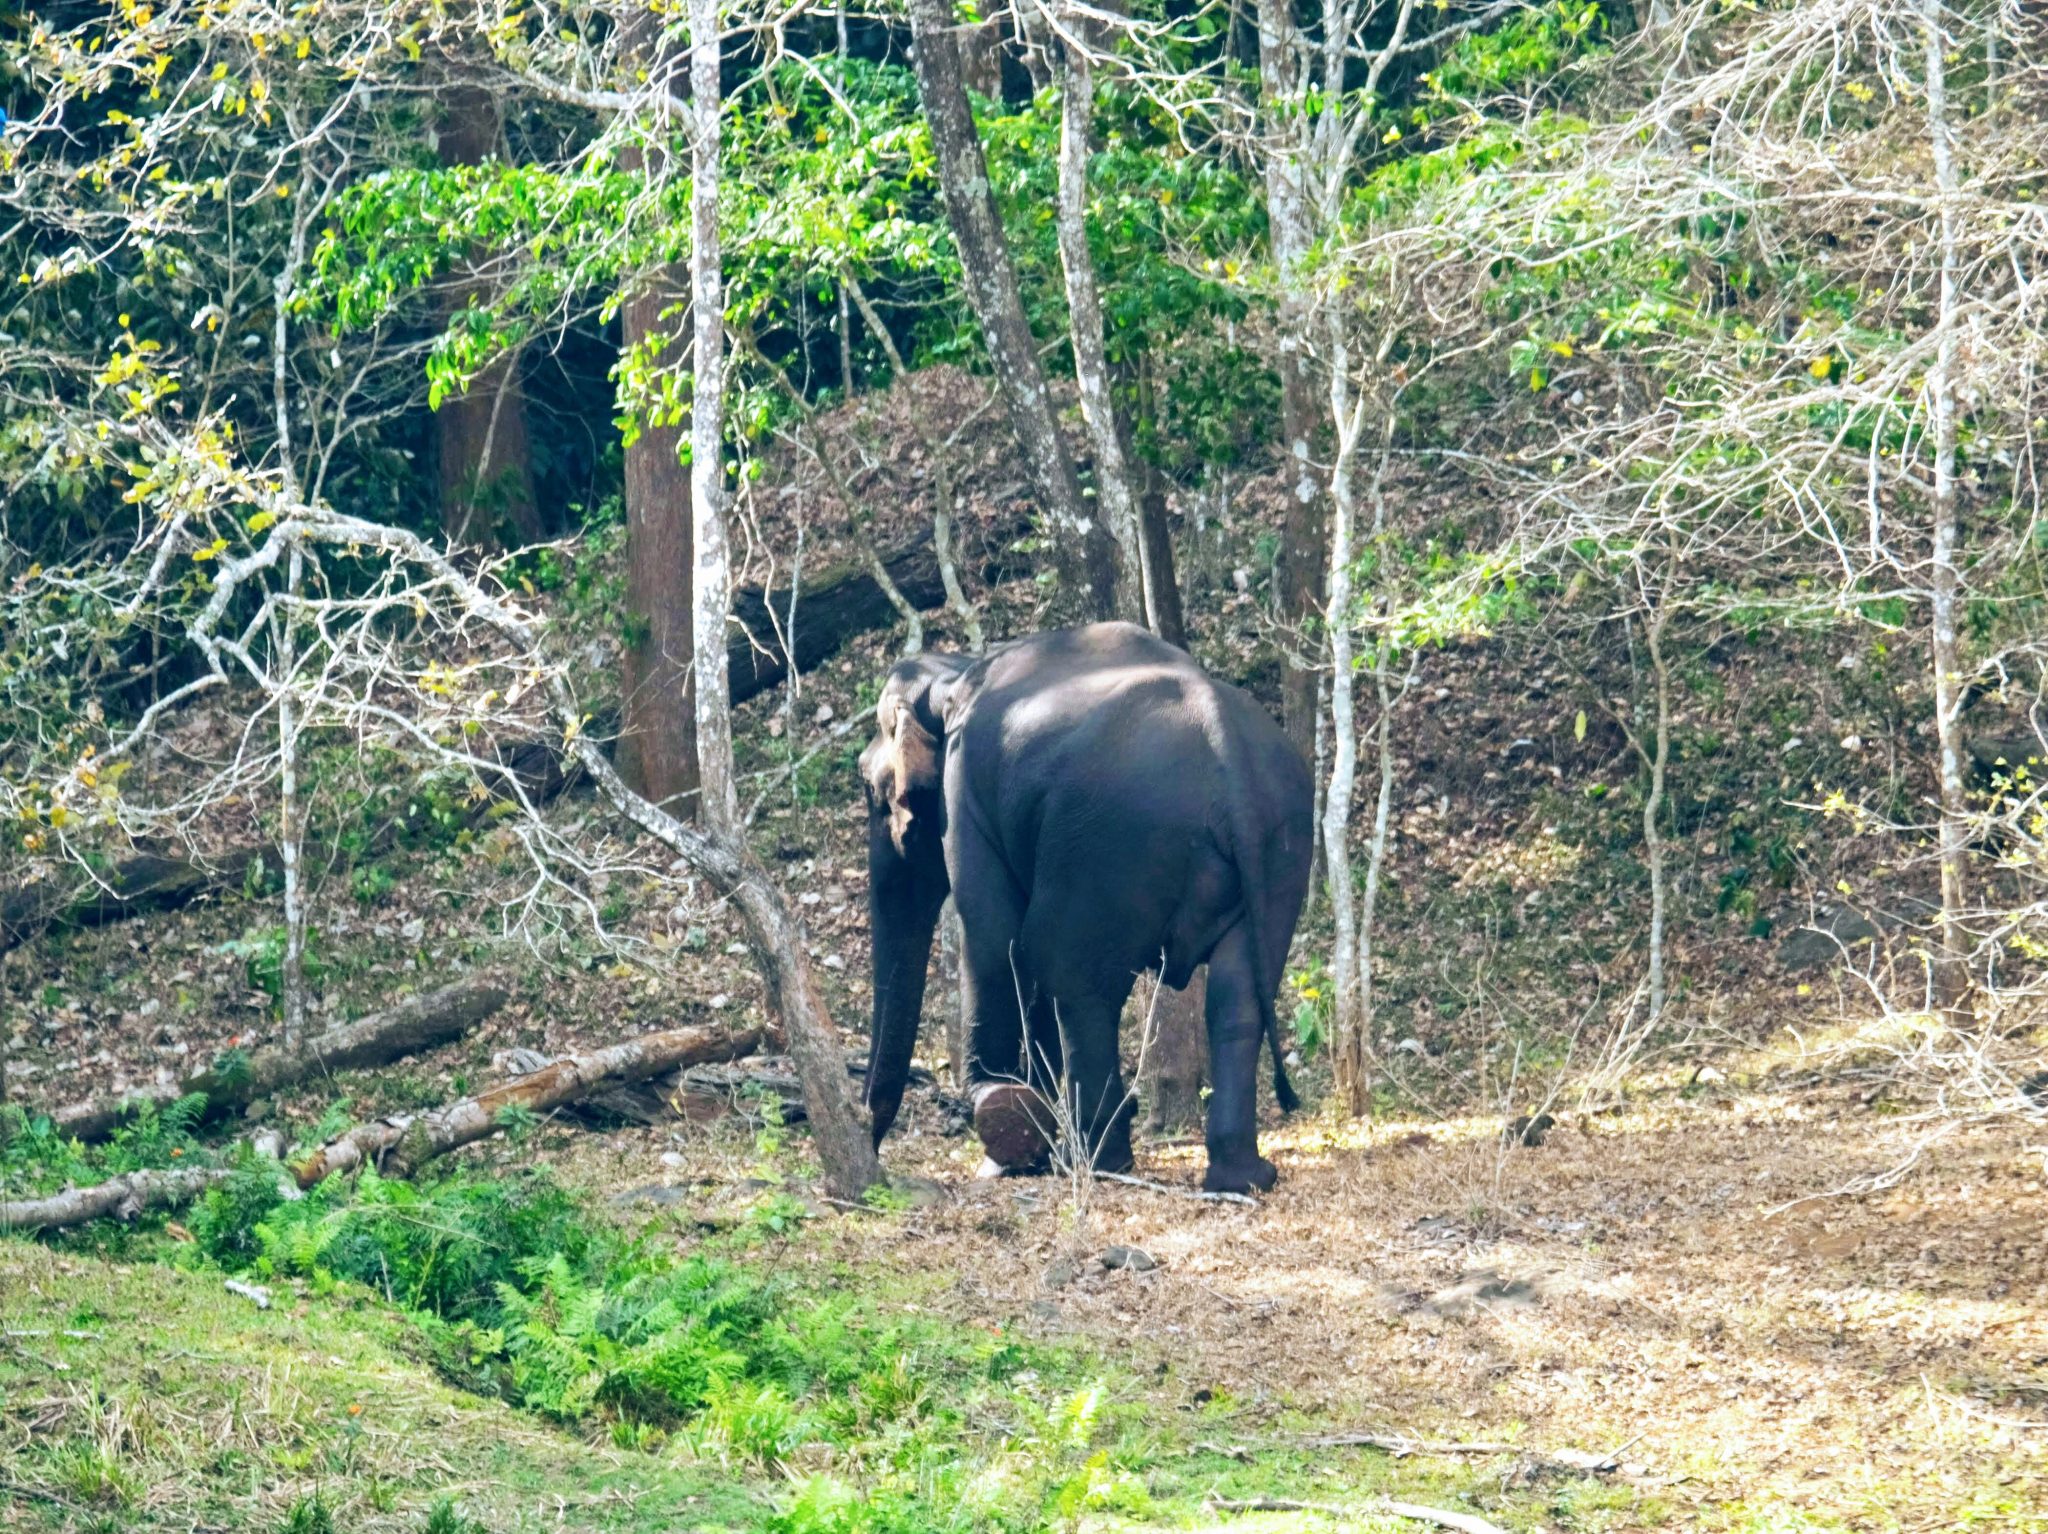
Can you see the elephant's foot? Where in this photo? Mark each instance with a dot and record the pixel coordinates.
(1014, 1124)
(991, 1169)
(1114, 1153)
(1256, 1175)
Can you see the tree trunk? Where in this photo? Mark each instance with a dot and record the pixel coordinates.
(412, 1025)
(1299, 569)
(1653, 809)
(486, 463)
(1347, 1014)
(292, 988)
(1116, 501)
(403, 1143)
(1951, 965)
(710, 583)
(657, 747)
(1083, 550)
(121, 1198)
(1175, 1060)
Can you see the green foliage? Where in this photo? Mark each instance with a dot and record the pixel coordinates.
(36, 1158)
(309, 1515)
(445, 1248)
(262, 950)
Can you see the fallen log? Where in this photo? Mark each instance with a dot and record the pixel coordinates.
(401, 1143)
(414, 1024)
(834, 605)
(122, 1197)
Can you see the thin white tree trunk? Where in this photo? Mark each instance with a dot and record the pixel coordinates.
(1376, 851)
(1347, 1020)
(1653, 809)
(1951, 976)
(291, 819)
(291, 822)
(709, 594)
(1084, 307)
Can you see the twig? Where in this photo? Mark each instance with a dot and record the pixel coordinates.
(1196, 1193)
(1402, 1448)
(1465, 1523)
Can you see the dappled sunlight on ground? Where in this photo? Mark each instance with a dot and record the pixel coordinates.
(1662, 1277)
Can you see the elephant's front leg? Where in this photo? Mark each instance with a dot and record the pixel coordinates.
(1236, 1030)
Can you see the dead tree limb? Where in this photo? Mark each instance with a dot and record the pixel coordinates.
(404, 1142)
(121, 1197)
(414, 1024)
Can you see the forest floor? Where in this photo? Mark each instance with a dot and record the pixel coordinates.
(1748, 1272)
(1669, 1285)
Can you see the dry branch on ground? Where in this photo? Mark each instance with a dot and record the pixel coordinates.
(401, 1143)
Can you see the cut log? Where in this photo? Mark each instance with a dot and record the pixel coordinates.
(122, 1197)
(417, 1023)
(403, 1142)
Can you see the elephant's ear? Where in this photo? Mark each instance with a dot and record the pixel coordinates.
(903, 760)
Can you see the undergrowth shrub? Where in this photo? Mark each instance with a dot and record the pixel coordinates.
(516, 1294)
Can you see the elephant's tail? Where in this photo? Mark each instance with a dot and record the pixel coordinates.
(1253, 845)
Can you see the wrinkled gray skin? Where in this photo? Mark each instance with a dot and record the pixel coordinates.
(1098, 806)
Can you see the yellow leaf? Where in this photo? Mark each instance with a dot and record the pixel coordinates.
(1843, 886)
(1806, 990)
(1821, 366)
(1537, 379)
(1562, 348)
(213, 550)
(1579, 726)
(59, 815)
(261, 520)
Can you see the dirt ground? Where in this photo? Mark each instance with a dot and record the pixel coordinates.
(1670, 1285)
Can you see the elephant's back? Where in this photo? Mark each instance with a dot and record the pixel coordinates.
(1108, 733)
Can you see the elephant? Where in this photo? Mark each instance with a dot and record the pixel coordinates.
(1097, 806)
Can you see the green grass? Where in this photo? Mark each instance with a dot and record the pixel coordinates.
(617, 1384)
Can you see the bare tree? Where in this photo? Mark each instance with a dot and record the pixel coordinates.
(710, 583)
(1082, 548)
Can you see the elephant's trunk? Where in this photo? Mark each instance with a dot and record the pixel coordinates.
(905, 896)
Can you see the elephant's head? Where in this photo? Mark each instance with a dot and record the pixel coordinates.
(904, 770)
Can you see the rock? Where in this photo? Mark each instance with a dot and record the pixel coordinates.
(671, 1159)
(833, 961)
(1822, 942)
(1137, 1260)
(414, 930)
(1044, 1310)
(823, 715)
(1062, 1273)
(919, 1192)
(1525, 1130)
(660, 1195)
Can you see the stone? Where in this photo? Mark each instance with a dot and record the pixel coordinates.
(1822, 941)
(1134, 1258)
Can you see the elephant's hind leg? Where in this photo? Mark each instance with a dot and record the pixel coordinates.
(1235, 1017)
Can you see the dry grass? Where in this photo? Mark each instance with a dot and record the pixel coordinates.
(1876, 1363)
